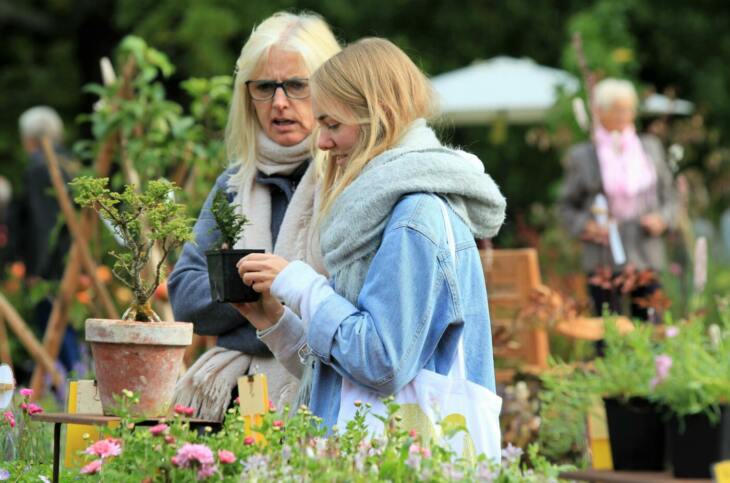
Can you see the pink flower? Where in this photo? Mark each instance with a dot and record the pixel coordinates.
(412, 433)
(278, 423)
(426, 452)
(237, 400)
(169, 439)
(226, 457)
(34, 409)
(10, 418)
(248, 441)
(195, 456)
(91, 468)
(671, 331)
(662, 364)
(184, 410)
(105, 448)
(272, 407)
(25, 392)
(158, 429)
(193, 453)
(206, 471)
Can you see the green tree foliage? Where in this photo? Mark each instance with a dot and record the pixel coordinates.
(52, 49)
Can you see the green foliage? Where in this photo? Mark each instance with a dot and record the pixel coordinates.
(698, 379)
(230, 224)
(143, 220)
(299, 449)
(627, 367)
(157, 137)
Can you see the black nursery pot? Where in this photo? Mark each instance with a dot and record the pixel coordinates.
(636, 434)
(696, 443)
(225, 282)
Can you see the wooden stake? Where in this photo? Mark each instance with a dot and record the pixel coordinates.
(69, 215)
(28, 339)
(4, 344)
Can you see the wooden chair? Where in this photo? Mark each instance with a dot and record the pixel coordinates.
(511, 276)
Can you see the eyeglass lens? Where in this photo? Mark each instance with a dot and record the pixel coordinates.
(262, 90)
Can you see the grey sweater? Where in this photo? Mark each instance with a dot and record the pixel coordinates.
(188, 284)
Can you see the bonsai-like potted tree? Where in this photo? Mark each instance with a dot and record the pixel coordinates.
(226, 284)
(139, 353)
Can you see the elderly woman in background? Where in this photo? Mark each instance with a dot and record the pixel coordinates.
(272, 181)
(34, 227)
(631, 173)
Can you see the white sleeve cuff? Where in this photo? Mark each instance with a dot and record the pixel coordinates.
(284, 339)
(301, 288)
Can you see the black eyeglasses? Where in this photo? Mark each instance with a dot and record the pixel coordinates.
(264, 90)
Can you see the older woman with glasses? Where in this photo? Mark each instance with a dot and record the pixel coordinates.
(272, 181)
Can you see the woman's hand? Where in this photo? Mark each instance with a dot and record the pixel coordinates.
(594, 233)
(654, 224)
(263, 313)
(258, 270)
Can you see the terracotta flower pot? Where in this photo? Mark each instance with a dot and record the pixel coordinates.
(143, 357)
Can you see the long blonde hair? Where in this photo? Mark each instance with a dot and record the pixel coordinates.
(306, 34)
(374, 84)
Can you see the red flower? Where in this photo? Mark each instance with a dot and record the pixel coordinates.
(249, 440)
(184, 410)
(226, 457)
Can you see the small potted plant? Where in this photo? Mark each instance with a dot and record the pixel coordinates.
(623, 377)
(139, 353)
(226, 284)
(693, 382)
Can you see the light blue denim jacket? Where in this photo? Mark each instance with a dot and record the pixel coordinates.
(413, 306)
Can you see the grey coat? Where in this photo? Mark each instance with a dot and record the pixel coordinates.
(581, 185)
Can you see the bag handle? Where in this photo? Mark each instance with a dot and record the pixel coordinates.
(458, 369)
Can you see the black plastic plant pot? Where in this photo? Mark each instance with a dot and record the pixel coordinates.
(697, 443)
(636, 434)
(225, 282)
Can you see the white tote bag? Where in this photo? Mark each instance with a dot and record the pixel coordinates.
(435, 404)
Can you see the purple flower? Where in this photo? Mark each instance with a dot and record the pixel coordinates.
(662, 364)
(4, 474)
(511, 454)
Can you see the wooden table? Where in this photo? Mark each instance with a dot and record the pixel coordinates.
(626, 476)
(59, 419)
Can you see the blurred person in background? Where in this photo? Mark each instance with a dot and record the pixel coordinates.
(40, 236)
(631, 173)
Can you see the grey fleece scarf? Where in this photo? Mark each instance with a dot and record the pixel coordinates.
(352, 230)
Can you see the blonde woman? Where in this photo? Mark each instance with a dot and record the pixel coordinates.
(272, 181)
(397, 301)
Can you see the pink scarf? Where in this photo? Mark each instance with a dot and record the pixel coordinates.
(628, 174)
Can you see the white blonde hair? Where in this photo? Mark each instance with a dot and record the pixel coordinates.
(306, 34)
(609, 90)
(39, 122)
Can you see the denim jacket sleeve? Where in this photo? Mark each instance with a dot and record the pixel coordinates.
(406, 304)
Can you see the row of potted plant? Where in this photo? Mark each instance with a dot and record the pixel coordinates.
(657, 382)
